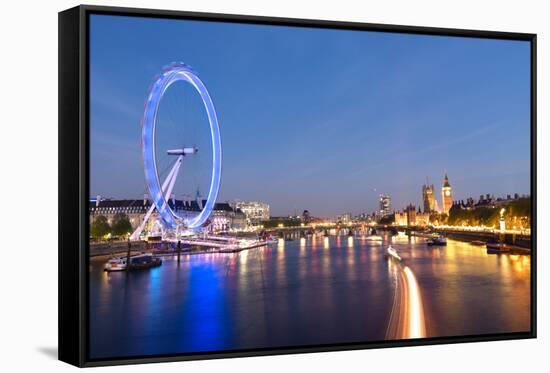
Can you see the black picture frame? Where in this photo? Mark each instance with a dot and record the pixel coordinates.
(74, 184)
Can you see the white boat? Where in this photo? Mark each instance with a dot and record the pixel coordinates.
(393, 253)
(137, 261)
(373, 238)
(116, 264)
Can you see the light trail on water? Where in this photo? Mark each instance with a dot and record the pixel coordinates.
(417, 324)
(407, 315)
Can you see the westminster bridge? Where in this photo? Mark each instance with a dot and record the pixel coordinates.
(468, 234)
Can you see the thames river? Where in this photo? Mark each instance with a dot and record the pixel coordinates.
(307, 292)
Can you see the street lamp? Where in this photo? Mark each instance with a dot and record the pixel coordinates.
(502, 223)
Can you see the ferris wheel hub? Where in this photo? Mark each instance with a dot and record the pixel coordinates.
(183, 151)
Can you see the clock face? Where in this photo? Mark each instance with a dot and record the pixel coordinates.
(447, 193)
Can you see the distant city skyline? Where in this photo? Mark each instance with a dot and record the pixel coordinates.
(323, 120)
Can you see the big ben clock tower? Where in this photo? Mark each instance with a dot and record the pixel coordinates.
(446, 195)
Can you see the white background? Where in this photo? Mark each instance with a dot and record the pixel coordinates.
(28, 146)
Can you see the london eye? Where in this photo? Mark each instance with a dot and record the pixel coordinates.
(160, 192)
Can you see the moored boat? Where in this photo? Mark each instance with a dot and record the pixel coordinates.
(373, 238)
(478, 243)
(116, 264)
(497, 248)
(138, 261)
(437, 241)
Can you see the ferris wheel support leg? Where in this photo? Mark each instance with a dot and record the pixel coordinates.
(176, 169)
(167, 187)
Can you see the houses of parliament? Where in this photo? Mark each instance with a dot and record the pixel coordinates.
(411, 216)
(429, 201)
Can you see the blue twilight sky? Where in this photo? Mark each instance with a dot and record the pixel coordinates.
(313, 119)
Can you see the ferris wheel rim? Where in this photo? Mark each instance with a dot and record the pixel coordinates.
(169, 75)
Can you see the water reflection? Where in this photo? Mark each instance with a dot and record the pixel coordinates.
(295, 293)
